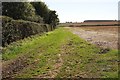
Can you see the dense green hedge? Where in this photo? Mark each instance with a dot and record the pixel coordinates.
(13, 30)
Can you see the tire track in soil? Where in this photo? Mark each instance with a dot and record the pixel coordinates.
(10, 68)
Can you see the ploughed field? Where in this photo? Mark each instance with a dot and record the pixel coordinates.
(103, 36)
(80, 24)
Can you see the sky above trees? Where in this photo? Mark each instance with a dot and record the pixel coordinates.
(80, 10)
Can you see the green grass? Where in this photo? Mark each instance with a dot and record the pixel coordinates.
(80, 58)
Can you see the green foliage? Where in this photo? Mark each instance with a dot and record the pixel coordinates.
(49, 16)
(42, 10)
(13, 30)
(20, 10)
(53, 19)
(35, 12)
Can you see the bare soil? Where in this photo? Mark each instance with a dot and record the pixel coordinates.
(8, 70)
(99, 23)
(102, 36)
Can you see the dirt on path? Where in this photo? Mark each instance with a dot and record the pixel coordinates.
(56, 67)
(105, 37)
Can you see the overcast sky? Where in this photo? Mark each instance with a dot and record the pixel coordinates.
(80, 10)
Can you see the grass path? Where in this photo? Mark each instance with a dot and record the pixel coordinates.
(58, 54)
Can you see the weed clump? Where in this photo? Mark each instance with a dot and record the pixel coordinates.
(103, 51)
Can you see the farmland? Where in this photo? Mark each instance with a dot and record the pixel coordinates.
(59, 54)
(103, 36)
(36, 46)
(91, 23)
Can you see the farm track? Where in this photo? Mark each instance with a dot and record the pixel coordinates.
(106, 37)
(56, 67)
(67, 59)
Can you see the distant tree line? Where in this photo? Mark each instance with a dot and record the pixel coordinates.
(100, 20)
(23, 19)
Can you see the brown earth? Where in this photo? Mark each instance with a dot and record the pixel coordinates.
(80, 24)
(99, 23)
(102, 36)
